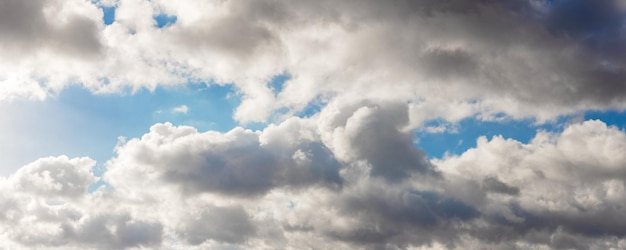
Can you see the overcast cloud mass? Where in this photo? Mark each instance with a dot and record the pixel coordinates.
(335, 161)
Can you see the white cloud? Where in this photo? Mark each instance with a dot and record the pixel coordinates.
(568, 184)
(510, 57)
(46, 205)
(309, 183)
(239, 162)
(349, 176)
(56, 177)
(181, 109)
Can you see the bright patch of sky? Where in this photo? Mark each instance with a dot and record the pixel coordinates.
(78, 123)
(109, 15)
(277, 82)
(312, 108)
(612, 118)
(163, 20)
(458, 138)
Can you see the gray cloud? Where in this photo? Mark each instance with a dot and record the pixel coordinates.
(554, 201)
(598, 25)
(525, 59)
(561, 190)
(233, 35)
(375, 132)
(234, 163)
(393, 219)
(349, 176)
(33, 25)
(224, 224)
(114, 231)
(379, 140)
(492, 184)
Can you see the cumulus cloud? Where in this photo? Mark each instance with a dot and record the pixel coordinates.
(56, 177)
(46, 205)
(526, 59)
(39, 25)
(226, 224)
(350, 175)
(290, 186)
(239, 162)
(364, 131)
(560, 185)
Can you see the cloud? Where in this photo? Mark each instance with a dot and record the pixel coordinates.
(563, 185)
(304, 183)
(525, 59)
(44, 24)
(239, 162)
(47, 206)
(350, 175)
(227, 224)
(56, 177)
(181, 109)
(366, 130)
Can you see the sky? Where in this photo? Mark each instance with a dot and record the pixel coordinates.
(350, 124)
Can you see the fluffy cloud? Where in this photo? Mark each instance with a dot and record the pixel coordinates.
(56, 177)
(239, 162)
(350, 175)
(522, 58)
(566, 186)
(365, 130)
(292, 186)
(46, 205)
(226, 224)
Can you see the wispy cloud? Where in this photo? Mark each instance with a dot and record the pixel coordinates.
(181, 109)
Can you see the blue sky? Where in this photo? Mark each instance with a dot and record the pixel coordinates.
(76, 122)
(278, 124)
(466, 132)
